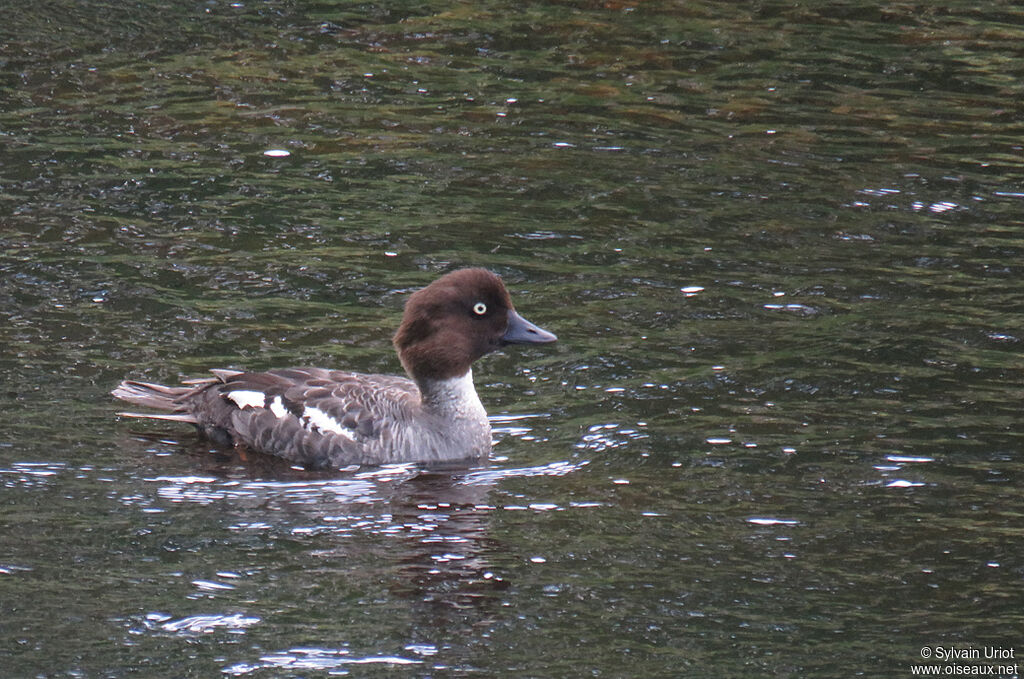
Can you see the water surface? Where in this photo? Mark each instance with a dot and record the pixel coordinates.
(781, 246)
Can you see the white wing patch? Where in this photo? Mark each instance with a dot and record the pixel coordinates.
(248, 398)
(277, 407)
(314, 417)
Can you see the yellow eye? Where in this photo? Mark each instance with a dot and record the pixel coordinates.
(479, 308)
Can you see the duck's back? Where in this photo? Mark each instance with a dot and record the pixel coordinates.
(312, 416)
(318, 418)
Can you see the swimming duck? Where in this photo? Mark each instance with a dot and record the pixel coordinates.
(321, 418)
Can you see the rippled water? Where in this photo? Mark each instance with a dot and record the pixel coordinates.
(781, 246)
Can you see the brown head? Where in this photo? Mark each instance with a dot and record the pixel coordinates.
(457, 319)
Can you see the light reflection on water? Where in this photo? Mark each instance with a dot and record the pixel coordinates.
(938, 206)
(369, 487)
(322, 659)
(202, 624)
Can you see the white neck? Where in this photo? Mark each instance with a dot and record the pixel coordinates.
(453, 397)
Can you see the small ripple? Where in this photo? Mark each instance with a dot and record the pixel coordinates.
(204, 624)
(30, 474)
(602, 437)
(879, 192)
(510, 424)
(486, 477)
(936, 208)
(535, 507)
(903, 483)
(1002, 337)
(770, 521)
(796, 308)
(507, 418)
(317, 659)
(11, 569)
(907, 458)
(205, 490)
(212, 586)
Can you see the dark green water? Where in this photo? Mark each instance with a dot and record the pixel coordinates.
(780, 243)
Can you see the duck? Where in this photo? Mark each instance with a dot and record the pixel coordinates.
(320, 418)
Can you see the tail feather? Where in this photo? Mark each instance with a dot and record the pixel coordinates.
(150, 395)
(171, 400)
(221, 376)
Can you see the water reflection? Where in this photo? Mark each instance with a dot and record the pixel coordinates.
(201, 624)
(324, 659)
(933, 207)
(31, 474)
(421, 534)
